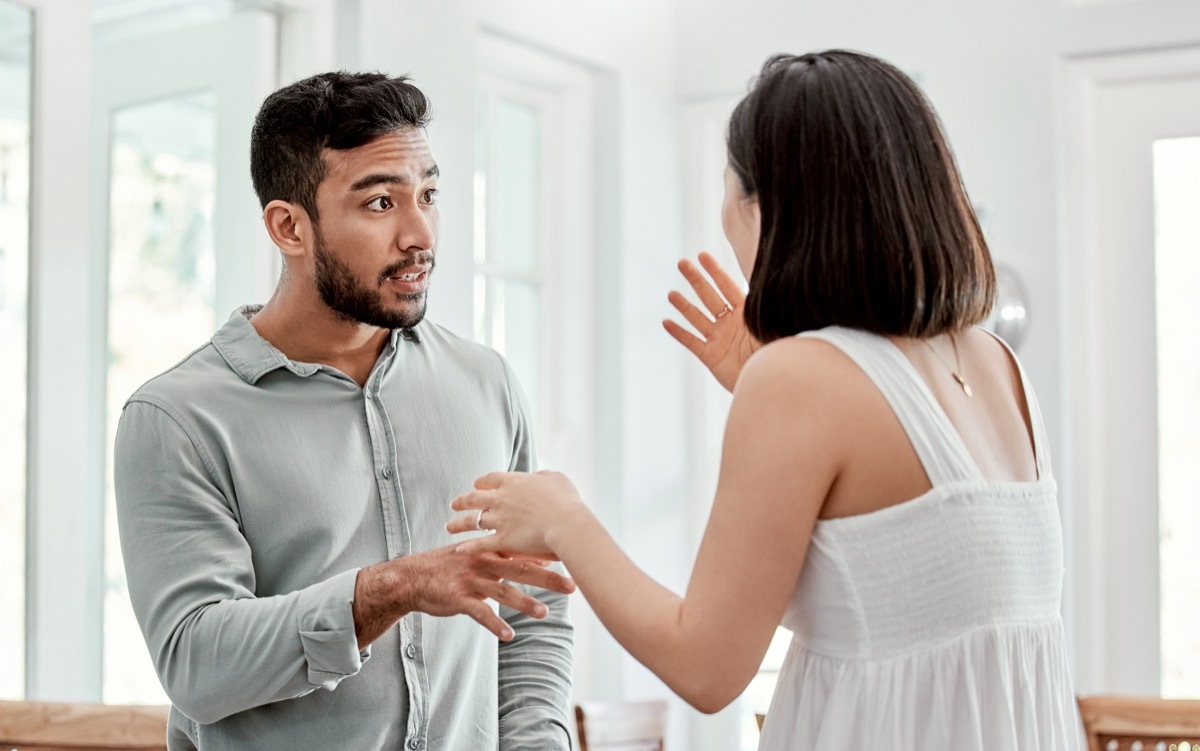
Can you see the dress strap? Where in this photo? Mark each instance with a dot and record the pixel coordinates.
(1041, 442)
(934, 438)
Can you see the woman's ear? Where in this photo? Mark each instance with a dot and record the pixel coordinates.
(289, 227)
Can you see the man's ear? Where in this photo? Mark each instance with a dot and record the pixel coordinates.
(289, 227)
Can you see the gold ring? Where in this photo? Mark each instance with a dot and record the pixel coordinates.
(479, 518)
(724, 312)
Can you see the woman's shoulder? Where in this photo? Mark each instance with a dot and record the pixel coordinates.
(797, 367)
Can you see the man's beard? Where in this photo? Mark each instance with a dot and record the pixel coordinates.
(355, 303)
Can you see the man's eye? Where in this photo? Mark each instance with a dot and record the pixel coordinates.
(382, 203)
(431, 195)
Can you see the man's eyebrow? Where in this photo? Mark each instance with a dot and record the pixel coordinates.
(371, 181)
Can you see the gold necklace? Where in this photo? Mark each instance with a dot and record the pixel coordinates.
(955, 371)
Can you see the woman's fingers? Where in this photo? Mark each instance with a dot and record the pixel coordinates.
(725, 283)
(473, 499)
(490, 481)
(694, 344)
(464, 522)
(704, 290)
(699, 321)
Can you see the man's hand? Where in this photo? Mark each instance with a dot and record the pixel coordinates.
(444, 582)
(724, 343)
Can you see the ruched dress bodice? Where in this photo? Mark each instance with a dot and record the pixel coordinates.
(934, 623)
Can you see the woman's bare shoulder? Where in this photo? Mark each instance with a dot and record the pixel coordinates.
(797, 361)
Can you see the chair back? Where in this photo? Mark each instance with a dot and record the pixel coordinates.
(621, 725)
(1125, 723)
(48, 726)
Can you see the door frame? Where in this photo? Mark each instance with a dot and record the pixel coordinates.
(1114, 544)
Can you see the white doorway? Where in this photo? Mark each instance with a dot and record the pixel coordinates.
(1133, 379)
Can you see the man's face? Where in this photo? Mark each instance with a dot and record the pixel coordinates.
(375, 241)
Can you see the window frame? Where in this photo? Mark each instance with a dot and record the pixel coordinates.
(566, 439)
(65, 376)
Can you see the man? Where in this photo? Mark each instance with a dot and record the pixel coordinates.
(283, 492)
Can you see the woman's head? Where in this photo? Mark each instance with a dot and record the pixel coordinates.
(862, 219)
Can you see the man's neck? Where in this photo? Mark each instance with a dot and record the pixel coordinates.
(306, 330)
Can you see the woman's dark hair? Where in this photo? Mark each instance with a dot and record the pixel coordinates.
(865, 221)
(328, 111)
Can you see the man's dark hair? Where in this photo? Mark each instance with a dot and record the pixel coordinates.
(865, 221)
(336, 110)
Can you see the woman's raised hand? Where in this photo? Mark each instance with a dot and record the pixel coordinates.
(724, 344)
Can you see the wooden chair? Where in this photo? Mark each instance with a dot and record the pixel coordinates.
(46, 726)
(621, 725)
(1120, 723)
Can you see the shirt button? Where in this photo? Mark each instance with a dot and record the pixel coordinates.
(411, 651)
(387, 473)
(414, 743)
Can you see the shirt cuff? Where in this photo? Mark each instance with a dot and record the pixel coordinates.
(325, 616)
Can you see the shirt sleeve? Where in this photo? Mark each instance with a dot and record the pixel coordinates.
(535, 667)
(218, 649)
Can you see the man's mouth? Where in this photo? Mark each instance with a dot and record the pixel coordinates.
(411, 276)
(410, 281)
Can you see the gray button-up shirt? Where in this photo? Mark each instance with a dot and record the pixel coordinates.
(251, 489)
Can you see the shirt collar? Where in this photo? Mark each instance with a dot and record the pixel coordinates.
(252, 357)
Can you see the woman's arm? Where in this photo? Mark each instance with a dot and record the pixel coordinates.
(780, 459)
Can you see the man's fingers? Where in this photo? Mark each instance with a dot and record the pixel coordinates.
(538, 560)
(525, 572)
(699, 321)
(485, 544)
(694, 344)
(486, 617)
(713, 301)
(729, 288)
(511, 597)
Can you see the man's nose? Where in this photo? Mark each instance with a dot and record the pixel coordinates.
(417, 230)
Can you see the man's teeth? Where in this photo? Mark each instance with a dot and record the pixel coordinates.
(409, 277)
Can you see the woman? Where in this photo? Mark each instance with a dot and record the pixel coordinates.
(885, 488)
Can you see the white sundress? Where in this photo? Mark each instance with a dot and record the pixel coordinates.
(932, 624)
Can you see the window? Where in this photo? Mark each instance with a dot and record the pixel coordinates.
(511, 291)
(178, 231)
(160, 289)
(1177, 235)
(15, 81)
(532, 248)
(533, 255)
(151, 212)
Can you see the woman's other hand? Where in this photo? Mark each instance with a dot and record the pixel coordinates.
(724, 344)
(526, 513)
